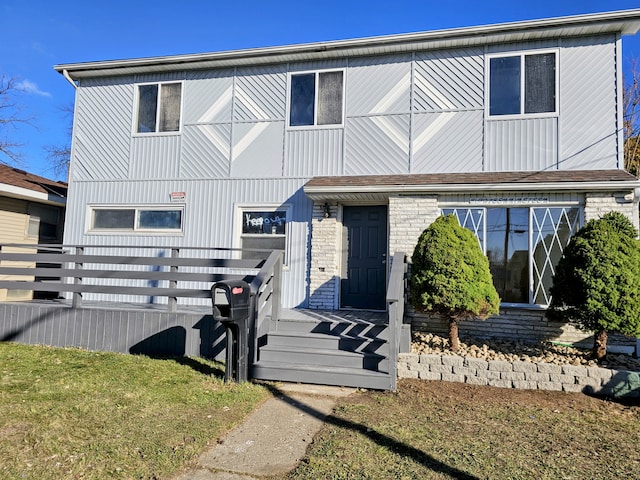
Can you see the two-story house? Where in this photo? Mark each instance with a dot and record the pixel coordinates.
(342, 152)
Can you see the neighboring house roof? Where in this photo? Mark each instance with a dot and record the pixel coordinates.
(625, 22)
(376, 185)
(18, 183)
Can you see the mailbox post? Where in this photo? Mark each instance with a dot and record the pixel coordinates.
(232, 307)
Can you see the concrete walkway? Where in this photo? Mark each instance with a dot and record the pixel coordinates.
(273, 439)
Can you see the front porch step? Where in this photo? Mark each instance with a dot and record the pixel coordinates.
(334, 357)
(321, 375)
(348, 329)
(327, 342)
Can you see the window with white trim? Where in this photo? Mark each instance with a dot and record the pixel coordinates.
(136, 219)
(262, 231)
(159, 107)
(316, 98)
(523, 84)
(523, 244)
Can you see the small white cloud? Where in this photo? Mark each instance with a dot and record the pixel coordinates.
(32, 88)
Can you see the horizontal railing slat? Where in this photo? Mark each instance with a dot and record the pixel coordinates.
(130, 260)
(123, 274)
(107, 289)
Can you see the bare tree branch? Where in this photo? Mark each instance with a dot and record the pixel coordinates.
(631, 119)
(11, 116)
(60, 155)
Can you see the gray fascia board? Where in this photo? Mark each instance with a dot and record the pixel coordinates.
(320, 193)
(626, 22)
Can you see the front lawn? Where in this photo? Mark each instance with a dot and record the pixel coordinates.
(440, 430)
(68, 413)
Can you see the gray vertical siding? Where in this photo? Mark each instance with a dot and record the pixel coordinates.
(418, 112)
(588, 104)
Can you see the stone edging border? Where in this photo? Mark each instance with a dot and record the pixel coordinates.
(520, 375)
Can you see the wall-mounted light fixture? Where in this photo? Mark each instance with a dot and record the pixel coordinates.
(326, 210)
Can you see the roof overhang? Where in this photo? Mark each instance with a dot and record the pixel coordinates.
(626, 22)
(13, 191)
(381, 187)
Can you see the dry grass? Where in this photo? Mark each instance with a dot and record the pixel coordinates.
(440, 430)
(67, 413)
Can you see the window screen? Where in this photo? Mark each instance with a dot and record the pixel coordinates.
(159, 107)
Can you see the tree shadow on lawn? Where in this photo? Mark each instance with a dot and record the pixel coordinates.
(385, 441)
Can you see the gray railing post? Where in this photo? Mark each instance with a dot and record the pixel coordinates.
(277, 289)
(172, 302)
(77, 279)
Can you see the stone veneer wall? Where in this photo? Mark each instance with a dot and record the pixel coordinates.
(520, 375)
(324, 268)
(598, 204)
(408, 217)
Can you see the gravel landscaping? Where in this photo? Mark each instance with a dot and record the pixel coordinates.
(427, 343)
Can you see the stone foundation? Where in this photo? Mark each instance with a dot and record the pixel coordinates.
(520, 375)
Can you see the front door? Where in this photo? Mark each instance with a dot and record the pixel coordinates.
(364, 267)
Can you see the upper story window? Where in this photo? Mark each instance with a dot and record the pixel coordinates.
(316, 98)
(523, 84)
(159, 107)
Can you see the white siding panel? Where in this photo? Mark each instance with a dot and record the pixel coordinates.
(313, 152)
(588, 128)
(208, 97)
(210, 209)
(156, 156)
(448, 142)
(258, 150)
(205, 151)
(446, 80)
(521, 145)
(378, 85)
(103, 125)
(377, 145)
(260, 94)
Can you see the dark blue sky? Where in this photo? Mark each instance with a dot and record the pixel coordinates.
(37, 34)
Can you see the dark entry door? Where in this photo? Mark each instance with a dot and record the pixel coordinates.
(364, 268)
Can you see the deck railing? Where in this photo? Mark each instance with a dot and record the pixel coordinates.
(396, 302)
(169, 273)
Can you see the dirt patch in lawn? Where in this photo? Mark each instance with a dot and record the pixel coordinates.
(438, 430)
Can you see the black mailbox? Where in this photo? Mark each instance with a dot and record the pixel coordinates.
(232, 307)
(231, 300)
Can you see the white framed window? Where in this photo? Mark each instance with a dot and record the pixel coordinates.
(522, 84)
(316, 98)
(136, 219)
(158, 107)
(262, 229)
(523, 244)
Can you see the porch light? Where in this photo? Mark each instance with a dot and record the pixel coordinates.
(326, 210)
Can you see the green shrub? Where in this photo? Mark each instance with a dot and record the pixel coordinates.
(450, 275)
(596, 285)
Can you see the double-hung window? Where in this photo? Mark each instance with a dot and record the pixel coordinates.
(523, 84)
(523, 244)
(315, 98)
(159, 107)
(136, 219)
